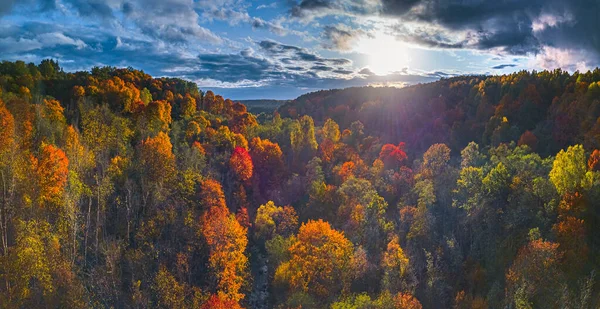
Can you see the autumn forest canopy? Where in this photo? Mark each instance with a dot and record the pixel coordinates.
(120, 190)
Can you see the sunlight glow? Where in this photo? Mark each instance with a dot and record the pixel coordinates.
(384, 54)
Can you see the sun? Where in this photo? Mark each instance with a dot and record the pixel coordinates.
(384, 54)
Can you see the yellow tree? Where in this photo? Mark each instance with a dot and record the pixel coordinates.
(271, 220)
(188, 106)
(394, 263)
(171, 294)
(157, 165)
(320, 261)
(331, 130)
(569, 170)
(227, 241)
(7, 131)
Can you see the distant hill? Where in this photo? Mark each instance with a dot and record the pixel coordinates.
(263, 106)
(557, 108)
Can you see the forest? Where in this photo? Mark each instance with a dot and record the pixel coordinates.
(120, 190)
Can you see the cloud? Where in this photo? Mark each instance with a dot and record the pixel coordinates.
(57, 38)
(6, 6)
(567, 59)
(31, 42)
(548, 20)
(236, 67)
(310, 9)
(169, 20)
(236, 13)
(503, 27)
(366, 71)
(12, 45)
(503, 66)
(290, 53)
(267, 6)
(92, 8)
(321, 68)
(341, 37)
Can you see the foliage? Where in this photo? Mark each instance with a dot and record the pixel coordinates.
(118, 189)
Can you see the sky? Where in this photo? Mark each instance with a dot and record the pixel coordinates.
(245, 49)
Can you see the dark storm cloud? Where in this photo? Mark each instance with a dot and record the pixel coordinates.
(503, 66)
(506, 26)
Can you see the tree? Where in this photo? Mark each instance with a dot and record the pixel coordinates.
(594, 161)
(534, 275)
(435, 160)
(469, 192)
(395, 264)
(243, 122)
(240, 163)
(227, 241)
(7, 130)
(52, 121)
(268, 164)
(208, 101)
(157, 158)
(319, 261)
(30, 265)
(211, 194)
(569, 170)
(188, 106)
(52, 169)
(171, 294)
(571, 236)
(274, 220)
(406, 301)
(157, 116)
(302, 137)
(157, 164)
(216, 302)
(471, 156)
(331, 131)
(7, 143)
(529, 139)
(392, 155)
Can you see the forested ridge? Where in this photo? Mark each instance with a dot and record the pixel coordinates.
(119, 190)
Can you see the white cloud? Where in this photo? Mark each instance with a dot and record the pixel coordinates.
(545, 21)
(567, 59)
(56, 38)
(267, 6)
(12, 45)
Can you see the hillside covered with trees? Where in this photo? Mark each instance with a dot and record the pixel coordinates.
(119, 190)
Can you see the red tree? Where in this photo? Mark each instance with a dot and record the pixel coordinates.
(241, 164)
